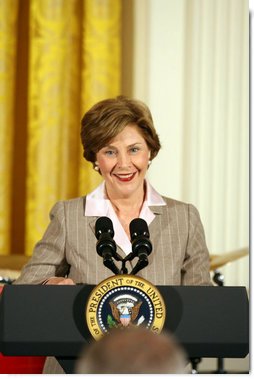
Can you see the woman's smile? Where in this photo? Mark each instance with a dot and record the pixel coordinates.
(125, 177)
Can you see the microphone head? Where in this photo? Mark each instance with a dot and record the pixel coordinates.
(104, 225)
(138, 228)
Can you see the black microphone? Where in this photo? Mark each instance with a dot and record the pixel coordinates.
(141, 244)
(106, 246)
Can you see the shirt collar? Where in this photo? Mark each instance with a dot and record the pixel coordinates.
(97, 202)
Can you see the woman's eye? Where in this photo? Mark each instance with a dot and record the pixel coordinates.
(134, 150)
(110, 153)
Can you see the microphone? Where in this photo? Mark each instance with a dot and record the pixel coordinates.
(141, 244)
(106, 246)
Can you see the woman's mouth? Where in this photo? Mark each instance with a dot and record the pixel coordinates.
(125, 177)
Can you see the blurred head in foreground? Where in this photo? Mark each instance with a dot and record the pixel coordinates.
(133, 351)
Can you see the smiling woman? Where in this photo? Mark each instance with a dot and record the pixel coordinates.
(119, 139)
(123, 166)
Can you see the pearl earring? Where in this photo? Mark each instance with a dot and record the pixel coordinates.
(96, 167)
(149, 163)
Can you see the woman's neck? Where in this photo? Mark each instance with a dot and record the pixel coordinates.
(127, 208)
(125, 205)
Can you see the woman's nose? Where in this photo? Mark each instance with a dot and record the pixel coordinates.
(124, 160)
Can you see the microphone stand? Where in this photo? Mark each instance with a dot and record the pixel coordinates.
(218, 278)
(124, 269)
(109, 263)
(142, 262)
(194, 365)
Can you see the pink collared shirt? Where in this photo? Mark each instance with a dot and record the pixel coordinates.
(98, 204)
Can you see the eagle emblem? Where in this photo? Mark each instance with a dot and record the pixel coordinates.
(125, 309)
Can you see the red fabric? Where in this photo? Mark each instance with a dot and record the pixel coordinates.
(20, 365)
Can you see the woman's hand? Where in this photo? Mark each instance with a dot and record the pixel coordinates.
(60, 281)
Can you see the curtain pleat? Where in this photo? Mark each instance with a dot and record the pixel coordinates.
(54, 113)
(8, 61)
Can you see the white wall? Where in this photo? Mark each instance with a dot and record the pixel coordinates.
(191, 68)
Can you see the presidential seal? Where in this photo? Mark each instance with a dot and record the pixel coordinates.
(124, 300)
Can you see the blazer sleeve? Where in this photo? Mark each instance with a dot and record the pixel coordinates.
(48, 257)
(195, 269)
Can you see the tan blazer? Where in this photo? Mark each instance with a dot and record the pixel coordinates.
(68, 247)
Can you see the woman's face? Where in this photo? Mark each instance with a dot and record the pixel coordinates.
(124, 162)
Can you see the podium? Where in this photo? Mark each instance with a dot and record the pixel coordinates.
(50, 320)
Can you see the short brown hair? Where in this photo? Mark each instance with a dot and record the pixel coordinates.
(109, 117)
(133, 350)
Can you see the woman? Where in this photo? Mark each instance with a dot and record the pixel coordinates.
(119, 138)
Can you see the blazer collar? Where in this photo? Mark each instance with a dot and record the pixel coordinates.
(157, 210)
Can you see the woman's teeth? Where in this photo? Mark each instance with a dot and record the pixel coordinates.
(125, 177)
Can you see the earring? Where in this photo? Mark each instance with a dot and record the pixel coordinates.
(149, 163)
(96, 167)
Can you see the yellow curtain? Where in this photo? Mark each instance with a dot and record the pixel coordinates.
(101, 61)
(8, 41)
(73, 60)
